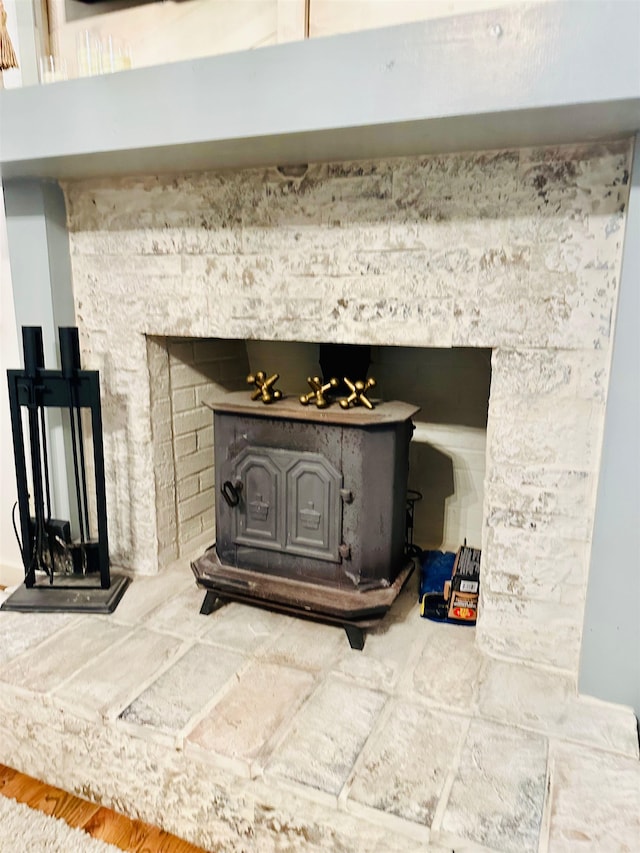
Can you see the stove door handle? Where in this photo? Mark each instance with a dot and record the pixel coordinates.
(230, 492)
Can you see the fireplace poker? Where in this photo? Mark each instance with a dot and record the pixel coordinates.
(34, 362)
(47, 489)
(70, 362)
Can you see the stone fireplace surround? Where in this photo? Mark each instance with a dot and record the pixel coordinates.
(514, 250)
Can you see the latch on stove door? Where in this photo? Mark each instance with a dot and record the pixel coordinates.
(231, 492)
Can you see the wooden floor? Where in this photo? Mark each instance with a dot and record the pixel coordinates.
(99, 822)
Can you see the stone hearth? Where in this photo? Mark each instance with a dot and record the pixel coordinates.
(518, 251)
(254, 732)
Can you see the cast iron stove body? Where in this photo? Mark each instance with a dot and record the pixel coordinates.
(310, 509)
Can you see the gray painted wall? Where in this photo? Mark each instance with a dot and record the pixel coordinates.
(11, 570)
(43, 296)
(610, 665)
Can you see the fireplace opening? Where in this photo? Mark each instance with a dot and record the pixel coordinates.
(447, 452)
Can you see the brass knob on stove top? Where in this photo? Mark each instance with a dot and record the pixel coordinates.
(264, 387)
(316, 395)
(358, 394)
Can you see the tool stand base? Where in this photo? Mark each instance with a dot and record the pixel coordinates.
(70, 595)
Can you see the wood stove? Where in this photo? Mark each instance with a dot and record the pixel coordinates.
(311, 509)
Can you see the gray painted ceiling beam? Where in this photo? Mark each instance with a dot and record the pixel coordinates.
(552, 73)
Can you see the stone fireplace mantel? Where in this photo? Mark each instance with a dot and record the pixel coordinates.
(527, 75)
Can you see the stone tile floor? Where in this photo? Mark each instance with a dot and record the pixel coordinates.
(417, 742)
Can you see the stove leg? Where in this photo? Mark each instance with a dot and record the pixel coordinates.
(211, 602)
(355, 636)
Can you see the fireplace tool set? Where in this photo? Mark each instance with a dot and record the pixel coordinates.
(61, 572)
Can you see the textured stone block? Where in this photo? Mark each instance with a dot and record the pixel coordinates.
(498, 793)
(194, 463)
(322, 745)
(207, 237)
(190, 797)
(195, 505)
(308, 645)
(390, 775)
(147, 240)
(42, 669)
(179, 614)
(383, 319)
(184, 690)
(533, 562)
(243, 628)
(232, 728)
(188, 532)
(491, 793)
(187, 487)
(537, 631)
(447, 671)
(180, 351)
(544, 434)
(19, 631)
(185, 443)
(114, 679)
(534, 372)
(536, 578)
(91, 242)
(545, 500)
(183, 399)
(190, 376)
(580, 817)
(382, 662)
(206, 479)
(537, 699)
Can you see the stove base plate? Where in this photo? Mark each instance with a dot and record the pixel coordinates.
(351, 609)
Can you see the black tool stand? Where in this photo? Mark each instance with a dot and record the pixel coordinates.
(61, 574)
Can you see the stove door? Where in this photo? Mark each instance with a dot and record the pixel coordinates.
(314, 508)
(290, 502)
(260, 520)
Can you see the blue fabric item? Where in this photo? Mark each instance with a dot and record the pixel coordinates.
(436, 568)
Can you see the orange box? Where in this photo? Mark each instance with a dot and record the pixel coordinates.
(465, 586)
